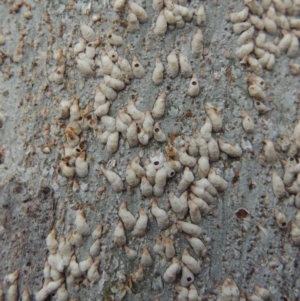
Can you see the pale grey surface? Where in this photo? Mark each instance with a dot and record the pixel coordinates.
(27, 179)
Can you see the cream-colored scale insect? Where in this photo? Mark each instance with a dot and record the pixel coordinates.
(255, 65)
(135, 113)
(172, 271)
(148, 124)
(158, 73)
(133, 22)
(186, 180)
(84, 67)
(197, 43)
(160, 215)
(278, 185)
(266, 4)
(254, 7)
(141, 224)
(261, 292)
(218, 182)
(240, 16)
(143, 137)
(139, 11)
(146, 187)
(65, 169)
(103, 109)
(230, 149)
(192, 264)
(206, 129)
(245, 50)
(203, 166)
(64, 108)
(215, 117)
(257, 22)
(114, 83)
(161, 25)
(159, 106)
(51, 242)
(194, 212)
(82, 169)
(202, 194)
(248, 124)
(293, 49)
(57, 76)
(260, 107)
(129, 221)
(197, 245)
(125, 67)
(285, 41)
(160, 182)
(109, 92)
(229, 289)
(186, 159)
(189, 228)
(159, 246)
(280, 219)
(90, 51)
(171, 20)
(137, 69)
(193, 89)
(113, 178)
(178, 204)
(131, 178)
(238, 28)
(270, 25)
(183, 292)
(107, 63)
(62, 293)
(193, 294)
(146, 259)
(25, 295)
(187, 277)
(109, 123)
(269, 151)
(119, 235)
(99, 98)
(132, 135)
(200, 16)
(169, 248)
(185, 66)
(87, 32)
(131, 254)
(205, 184)
(114, 39)
(295, 234)
(82, 227)
(157, 5)
(12, 278)
(213, 149)
(112, 143)
(173, 64)
(119, 5)
(95, 248)
(158, 134)
(138, 275)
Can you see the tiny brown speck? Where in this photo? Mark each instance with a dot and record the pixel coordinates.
(242, 213)
(188, 113)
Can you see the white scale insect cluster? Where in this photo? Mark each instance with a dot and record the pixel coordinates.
(267, 30)
(190, 159)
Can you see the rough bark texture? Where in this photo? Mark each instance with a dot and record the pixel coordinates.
(35, 198)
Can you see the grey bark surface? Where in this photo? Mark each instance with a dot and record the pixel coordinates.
(35, 198)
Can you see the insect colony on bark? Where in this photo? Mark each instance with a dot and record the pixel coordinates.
(192, 156)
